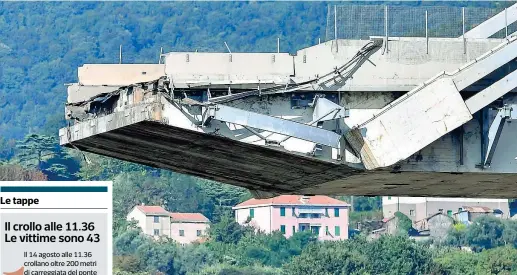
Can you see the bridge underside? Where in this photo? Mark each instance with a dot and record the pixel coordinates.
(267, 171)
(217, 158)
(270, 171)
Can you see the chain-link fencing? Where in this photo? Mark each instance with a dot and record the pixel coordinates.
(363, 21)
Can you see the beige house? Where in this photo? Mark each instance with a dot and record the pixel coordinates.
(188, 227)
(184, 228)
(153, 220)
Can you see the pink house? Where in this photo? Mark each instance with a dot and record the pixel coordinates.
(325, 216)
(184, 228)
(188, 227)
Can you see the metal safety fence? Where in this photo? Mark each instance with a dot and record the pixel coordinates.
(363, 21)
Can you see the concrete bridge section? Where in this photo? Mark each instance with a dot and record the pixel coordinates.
(422, 117)
(496, 23)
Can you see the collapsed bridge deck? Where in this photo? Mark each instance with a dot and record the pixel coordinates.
(356, 121)
(142, 137)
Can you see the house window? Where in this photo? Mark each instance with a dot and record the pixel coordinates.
(156, 232)
(315, 230)
(327, 230)
(156, 219)
(336, 212)
(440, 210)
(338, 231)
(252, 213)
(282, 211)
(389, 198)
(294, 214)
(282, 229)
(326, 212)
(412, 212)
(460, 209)
(303, 226)
(449, 213)
(294, 229)
(182, 233)
(198, 233)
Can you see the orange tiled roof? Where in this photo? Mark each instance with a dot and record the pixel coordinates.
(188, 217)
(148, 210)
(477, 209)
(294, 200)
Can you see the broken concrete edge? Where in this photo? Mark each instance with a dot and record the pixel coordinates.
(355, 138)
(115, 92)
(153, 111)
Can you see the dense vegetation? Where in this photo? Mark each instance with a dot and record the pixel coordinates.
(41, 46)
(234, 249)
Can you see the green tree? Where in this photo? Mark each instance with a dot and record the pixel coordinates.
(225, 269)
(35, 149)
(44, 153)
(485, 232)
(227, 231)
(160, 257)
(194, 258)
(338, 257)
(6, 148)
(501, 260)
(404, 224)
(127, 243)
(510, 232)
(456, 235)
(398, 255)
(222, 198)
